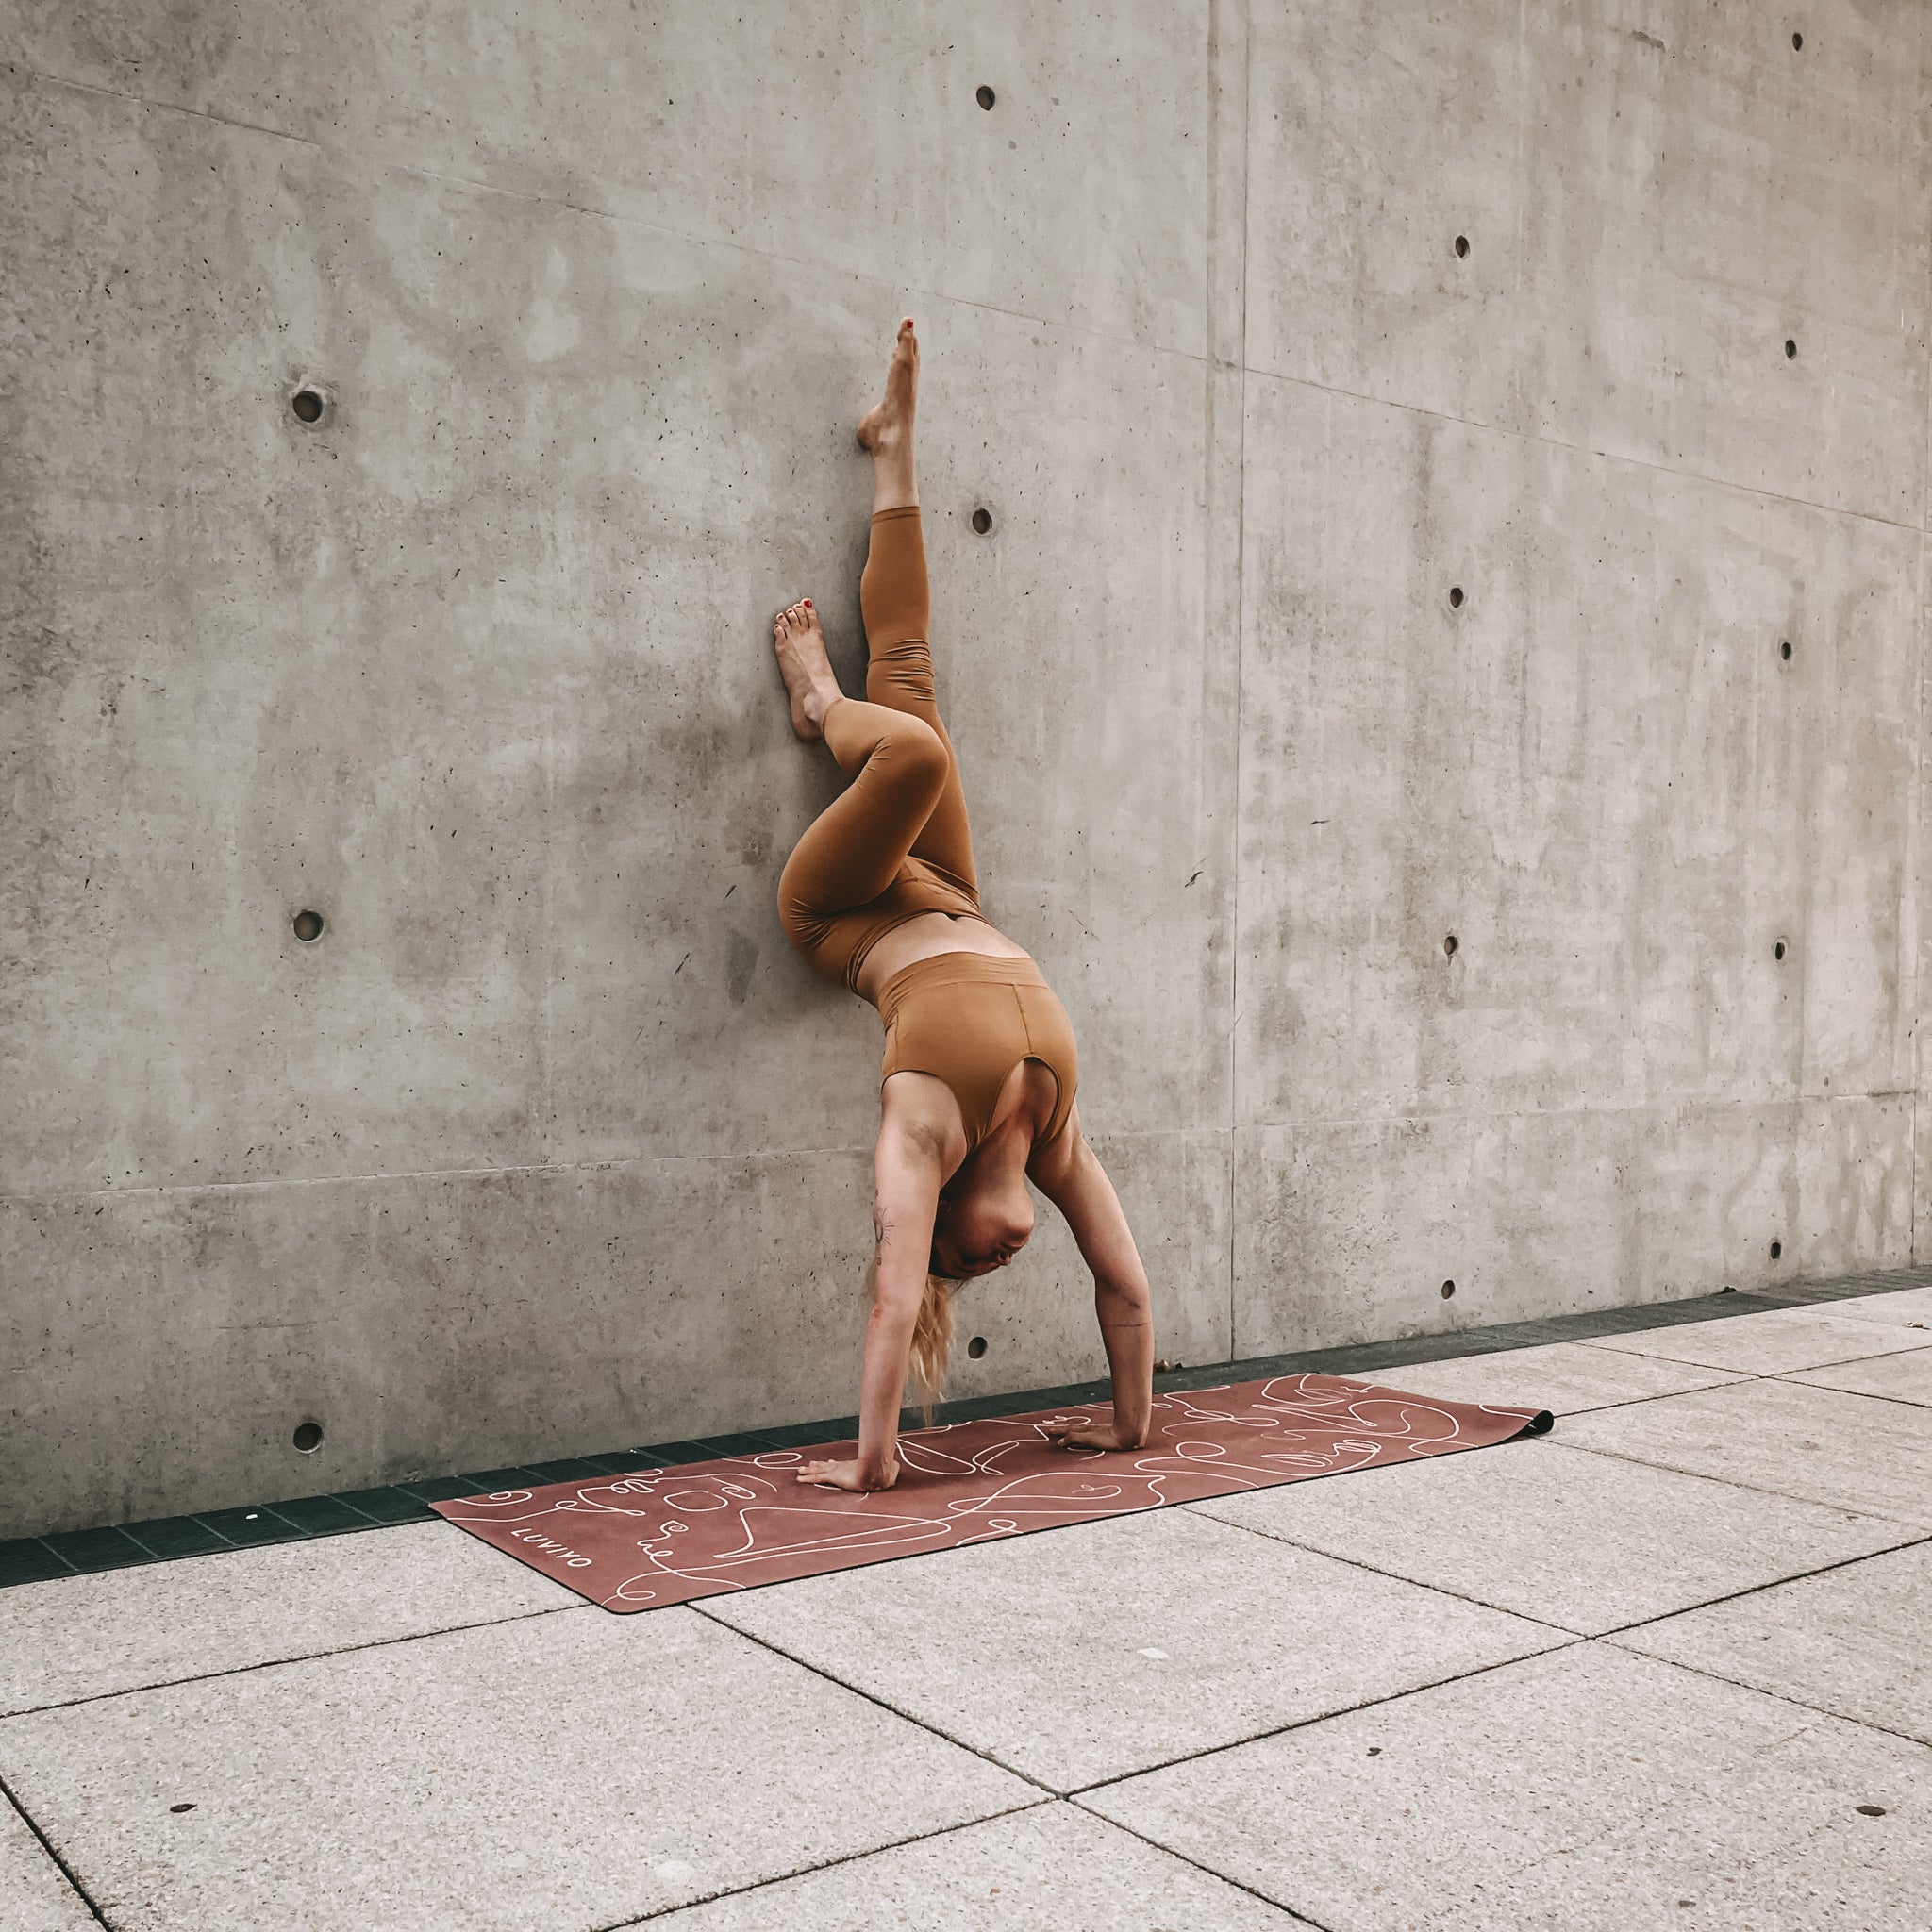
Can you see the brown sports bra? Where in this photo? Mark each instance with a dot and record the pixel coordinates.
(970, 1018)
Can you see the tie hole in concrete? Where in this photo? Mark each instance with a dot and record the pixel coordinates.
(1784, 649)
(982, 520)
(1777, 1251)
(307, 925)
(1777, 952)
(1797, 42)
(1791, 347)
(977, 1347)
(309, 403)
(1450, 944)
(1456, 596)
(307, 1438)
(1462, 245)
(1448, 1289)
(985, 97)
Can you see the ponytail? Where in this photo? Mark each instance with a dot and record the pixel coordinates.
(932, 1341)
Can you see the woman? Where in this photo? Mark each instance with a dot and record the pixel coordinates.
(980, 1070)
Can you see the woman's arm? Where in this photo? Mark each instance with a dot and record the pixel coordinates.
(906, 1192)
(1070, 1176)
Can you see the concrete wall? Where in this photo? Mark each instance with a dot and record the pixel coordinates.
(549, 1143)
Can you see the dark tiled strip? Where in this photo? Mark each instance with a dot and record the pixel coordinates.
(80, 1552)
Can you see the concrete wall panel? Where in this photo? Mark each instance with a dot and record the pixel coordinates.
(1349, 1230)
(1619, 818)
(543, 813)
(1657, 195)
(837, 134)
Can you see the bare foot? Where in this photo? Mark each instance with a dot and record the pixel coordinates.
(808, 673)
(888, 424)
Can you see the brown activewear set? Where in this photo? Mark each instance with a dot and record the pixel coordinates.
(894, 845)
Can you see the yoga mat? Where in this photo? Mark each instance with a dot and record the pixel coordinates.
(665, 1536)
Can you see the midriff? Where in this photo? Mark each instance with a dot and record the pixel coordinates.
(926, 937)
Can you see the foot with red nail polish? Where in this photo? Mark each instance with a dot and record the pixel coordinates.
(799, 645)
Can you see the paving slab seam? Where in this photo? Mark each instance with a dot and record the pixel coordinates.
(307, 1656)
(918, 1838)
(1274, 1535)
(1200, 1865)
(66, 1870)
(872, 1697)
(1883, 1355)
(1627, 1828)
(1918, 1530)
(1302, 1723)
(1791, 1375)
(1611, 1832)
(44, 1562)
(1733, 1596)
(1864, 1723)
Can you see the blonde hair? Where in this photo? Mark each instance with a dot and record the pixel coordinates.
(932, 1335)
(932, 1342)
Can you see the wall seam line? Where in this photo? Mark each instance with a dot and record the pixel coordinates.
(1083, 332)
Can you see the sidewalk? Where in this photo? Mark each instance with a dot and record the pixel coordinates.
(1666, 1666)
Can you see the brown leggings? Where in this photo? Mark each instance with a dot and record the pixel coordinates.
(895, 843)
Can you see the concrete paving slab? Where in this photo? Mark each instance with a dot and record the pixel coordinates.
(127, 1629)
(1850, 1452)
(1851, 1642)
(570, 1771)
(1086, 1652)
(1042, 1871)
(1904, 1306)
(1573, 1790)
(1561, 1376)
(35, 1895)
(1767, 1345)
(1896, 1377)
(1584, 1541)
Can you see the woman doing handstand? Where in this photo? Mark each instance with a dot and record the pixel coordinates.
(980, 1070)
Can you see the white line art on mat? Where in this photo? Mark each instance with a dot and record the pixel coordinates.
(741, 1522)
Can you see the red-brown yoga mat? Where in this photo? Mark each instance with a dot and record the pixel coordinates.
(664, 1536)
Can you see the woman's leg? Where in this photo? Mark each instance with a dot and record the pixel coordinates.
(898, 765)
(897, 603)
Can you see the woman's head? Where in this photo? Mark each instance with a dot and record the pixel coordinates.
(982, 1222)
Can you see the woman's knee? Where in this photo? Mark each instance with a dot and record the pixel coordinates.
(914, 752)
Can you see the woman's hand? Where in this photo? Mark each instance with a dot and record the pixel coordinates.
(1091, 1436)
(847, 1475)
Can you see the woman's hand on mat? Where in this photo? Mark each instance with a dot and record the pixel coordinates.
(845, 1475)
(1088, 1435)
